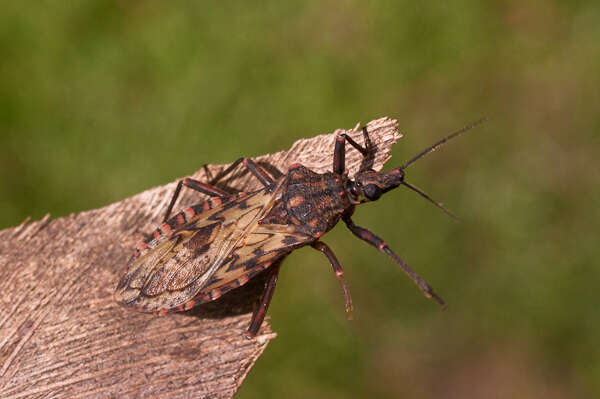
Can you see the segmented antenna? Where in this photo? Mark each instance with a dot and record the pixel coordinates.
(428, 198)
(431, 149)
(442, 141)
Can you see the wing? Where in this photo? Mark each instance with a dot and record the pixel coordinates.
(188, 251)
(261, 248)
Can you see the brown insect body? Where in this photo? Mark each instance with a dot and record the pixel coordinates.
(250, 228)
(213, 247)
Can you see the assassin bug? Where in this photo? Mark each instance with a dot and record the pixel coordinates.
(218, 245)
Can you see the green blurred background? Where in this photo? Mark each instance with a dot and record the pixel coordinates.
(102, 99)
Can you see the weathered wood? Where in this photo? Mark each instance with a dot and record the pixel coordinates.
(63, 336)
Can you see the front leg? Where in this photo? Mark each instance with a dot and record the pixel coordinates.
(339, 154)
(381, 245)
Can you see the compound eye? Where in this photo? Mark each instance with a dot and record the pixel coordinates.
(372, 192)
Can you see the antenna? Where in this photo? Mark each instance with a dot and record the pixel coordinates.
(442, 141)
(428, 198)
(427, 151)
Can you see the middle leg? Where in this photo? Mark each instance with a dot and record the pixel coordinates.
(339, 273)
(252, 166)
(261, 311)
(213, 191)
(204, 188)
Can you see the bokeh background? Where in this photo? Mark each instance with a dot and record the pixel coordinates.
(100, 100)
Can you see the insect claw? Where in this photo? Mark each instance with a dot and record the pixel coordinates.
(349, 313)
(439, 300)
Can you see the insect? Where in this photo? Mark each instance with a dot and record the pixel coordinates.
(211, 248)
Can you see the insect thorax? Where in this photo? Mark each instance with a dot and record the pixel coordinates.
(313, 201)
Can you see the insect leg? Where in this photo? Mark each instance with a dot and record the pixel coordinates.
(252, 166)
(261, 311)
(337, 268)
(195, 185)
(339, 155)
(381, 245)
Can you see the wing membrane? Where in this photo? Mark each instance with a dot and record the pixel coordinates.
(216, 249)
(260, 249)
